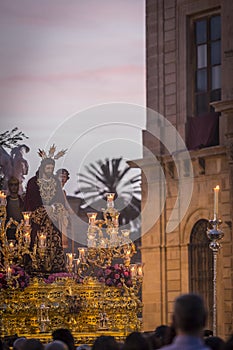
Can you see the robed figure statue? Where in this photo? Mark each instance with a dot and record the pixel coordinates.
(45, 199)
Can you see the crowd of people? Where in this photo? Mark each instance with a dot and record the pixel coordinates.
(187, 332)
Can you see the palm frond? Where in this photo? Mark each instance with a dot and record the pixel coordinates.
(111, 176)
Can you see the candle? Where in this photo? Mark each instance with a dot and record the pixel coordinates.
(11, 245)
(133, 270)
(42, 239)
(76, 265)
(139, 270)
(8, 272)
(115, 220)
(110, 198)
(69, 259)
(216, 191)
(128, 252)
(82, 252)
(26, 216)
(92, 218)
(2, 198)
(27, 238)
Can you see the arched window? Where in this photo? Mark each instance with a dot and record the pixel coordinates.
(201, 266)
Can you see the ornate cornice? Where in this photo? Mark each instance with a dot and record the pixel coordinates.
(223, 106)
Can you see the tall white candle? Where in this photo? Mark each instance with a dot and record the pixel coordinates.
(216, 191)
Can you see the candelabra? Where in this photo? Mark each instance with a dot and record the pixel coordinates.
(18, 250)
(215, 235)
(105, 244)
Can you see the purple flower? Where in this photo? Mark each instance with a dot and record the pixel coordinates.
(108, 272)
(108, 281)
(129, 283)
(115, 275)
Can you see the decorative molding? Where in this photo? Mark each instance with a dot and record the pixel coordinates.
(230, 151)
(223, 106)
(228, 53)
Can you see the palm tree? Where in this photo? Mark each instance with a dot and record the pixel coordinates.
(112, 176)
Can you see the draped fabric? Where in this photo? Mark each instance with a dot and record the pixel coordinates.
(203, 131)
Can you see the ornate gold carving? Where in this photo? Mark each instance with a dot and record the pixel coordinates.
(47, 189)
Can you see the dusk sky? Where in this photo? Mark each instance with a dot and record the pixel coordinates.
(59, 58)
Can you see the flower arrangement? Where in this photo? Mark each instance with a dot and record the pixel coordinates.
(54, 276)
(18, 278)
(115, 275)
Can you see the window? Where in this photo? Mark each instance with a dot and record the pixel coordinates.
(201, 266)
(207, 39)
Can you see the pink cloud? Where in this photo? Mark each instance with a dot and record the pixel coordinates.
(104, 72)
(69, 12)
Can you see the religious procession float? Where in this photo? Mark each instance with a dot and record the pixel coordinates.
(97, 293)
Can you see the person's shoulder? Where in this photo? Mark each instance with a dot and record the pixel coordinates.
(32, 182)
(32, 179)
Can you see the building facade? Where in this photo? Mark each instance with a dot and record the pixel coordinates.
(189, 52)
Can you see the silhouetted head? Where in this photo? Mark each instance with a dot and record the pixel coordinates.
(64, 335)
(105, 343)
(18, 343)
(56, 345)
(13, 185)
(161, 333)
(32, 344)
(136, 341)
(63, 176)
(189, 315)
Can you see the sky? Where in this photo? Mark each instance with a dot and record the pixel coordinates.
(73, 72)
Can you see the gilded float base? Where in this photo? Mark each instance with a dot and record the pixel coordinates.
(87, 309)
